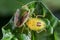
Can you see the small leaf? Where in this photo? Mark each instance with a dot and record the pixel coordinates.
(7, 35)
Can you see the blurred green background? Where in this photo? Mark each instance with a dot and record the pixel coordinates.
(8, 7)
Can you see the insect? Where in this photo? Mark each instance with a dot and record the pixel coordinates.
(36, 24)
(20, 20)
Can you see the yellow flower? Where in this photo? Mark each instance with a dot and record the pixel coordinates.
(36, 24)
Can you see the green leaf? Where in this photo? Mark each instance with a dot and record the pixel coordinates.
(57, 31)
(24, 37)
(7, 35)
(39, 10)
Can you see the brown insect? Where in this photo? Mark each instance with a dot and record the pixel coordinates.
(20, 20)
